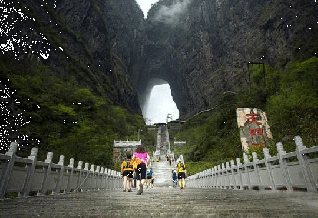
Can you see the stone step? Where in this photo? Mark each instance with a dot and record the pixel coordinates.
(166, 202)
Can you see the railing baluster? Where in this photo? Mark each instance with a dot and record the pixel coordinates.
(309, 180)
(57, 188)
(70, 176)
(268, 165)
(47, 173)
(30, 173)
(7, 168)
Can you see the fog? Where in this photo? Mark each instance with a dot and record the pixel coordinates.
(171, 14)
(160, 104)
(165, 14)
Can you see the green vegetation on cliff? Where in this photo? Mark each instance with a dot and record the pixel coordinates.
(289, 96)
(68, 118)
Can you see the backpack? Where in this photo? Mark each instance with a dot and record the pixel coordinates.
(127, 164)
(182, 166)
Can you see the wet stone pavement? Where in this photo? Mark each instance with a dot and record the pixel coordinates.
(166, 202)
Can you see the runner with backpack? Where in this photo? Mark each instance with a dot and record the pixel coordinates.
(127, 172)
(181, 168)
(141, 161)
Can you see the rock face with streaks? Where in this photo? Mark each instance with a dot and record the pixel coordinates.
(201, 48)
(93, 41)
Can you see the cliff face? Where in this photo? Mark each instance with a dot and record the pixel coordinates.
(202, 47)
(95, 42)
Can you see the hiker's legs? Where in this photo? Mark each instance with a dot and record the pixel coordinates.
(141, 176)
(183, 182)
(124, 182)
(138, 184)
(143, 181)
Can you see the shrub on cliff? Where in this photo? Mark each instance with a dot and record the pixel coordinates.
(67, 118)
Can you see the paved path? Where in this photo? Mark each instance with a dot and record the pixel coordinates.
(166, 202)
(163, 201)
(162, 172)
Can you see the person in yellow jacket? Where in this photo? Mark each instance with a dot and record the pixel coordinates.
(127, 172)
(182, 171)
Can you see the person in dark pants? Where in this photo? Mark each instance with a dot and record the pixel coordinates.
(174, 178)
(141, 160)
(127, 172)
(135, 180)
(181, 168)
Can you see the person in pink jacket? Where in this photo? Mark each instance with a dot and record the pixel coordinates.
(141, 157)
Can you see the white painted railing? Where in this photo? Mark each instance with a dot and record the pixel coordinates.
(25, 175)
(126, 143)
(270, 173)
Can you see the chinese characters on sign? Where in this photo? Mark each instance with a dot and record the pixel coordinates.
(254, 129)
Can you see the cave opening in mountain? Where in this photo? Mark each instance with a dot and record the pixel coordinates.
(158, 105)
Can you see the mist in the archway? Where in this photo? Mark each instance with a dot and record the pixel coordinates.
(160, 104)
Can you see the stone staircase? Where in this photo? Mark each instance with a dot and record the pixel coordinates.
(162, 172)
(164, 201)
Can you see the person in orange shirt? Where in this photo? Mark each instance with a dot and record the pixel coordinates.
(127, 172)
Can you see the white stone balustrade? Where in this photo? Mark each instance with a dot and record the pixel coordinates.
(47, 177)
(272, 172)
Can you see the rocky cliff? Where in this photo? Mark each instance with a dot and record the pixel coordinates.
(87, 44)
(93, 41)
(202, 47)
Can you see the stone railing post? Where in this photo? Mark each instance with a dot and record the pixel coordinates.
(224, 176)
(228, 170)
(119, 180)
(70, 176)
(220, 175)
(7, 168)
(216, 177)
(110, 179)
(283, 165)
(232, 169)
(101, 179)
(303, 161)
(85, 182)
(57, 188)
(239, 171)
(203, 179)
(92, 178)
(106, 179)
(47, 173)
(246, 167)
(210, 178)
(256, 170)
(79, 176)
(268, 165)
(97, 177)
(30, 172)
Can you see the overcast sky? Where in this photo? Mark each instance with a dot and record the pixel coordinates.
(145, 5)
(161, 104)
